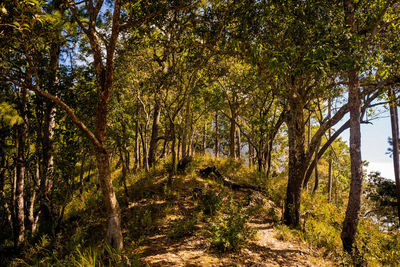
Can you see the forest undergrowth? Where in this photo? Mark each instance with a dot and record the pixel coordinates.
(203, 221)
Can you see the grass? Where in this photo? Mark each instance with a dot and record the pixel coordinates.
(193, 206)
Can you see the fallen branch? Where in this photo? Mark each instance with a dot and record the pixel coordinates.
(206, 172)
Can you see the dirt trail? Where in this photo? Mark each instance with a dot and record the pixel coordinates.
(264, 250)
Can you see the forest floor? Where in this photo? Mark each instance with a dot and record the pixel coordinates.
(265, 250)
(191, 247)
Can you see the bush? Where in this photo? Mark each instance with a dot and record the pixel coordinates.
(184, 227)
(210, 202)
(231, 231)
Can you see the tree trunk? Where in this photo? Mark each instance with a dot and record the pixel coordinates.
(232, 132)
(297, 168)
(22, 130)
(354, 204)
(82, 172)
(35, 187)
(173, 154)
(330, 157)
(164, 150)
(204, 144)
(216, 135)
(316, 183)
(137, 146)
(268, 155)
(238, 155)
(144, 145)
(114, 233)
(154, 134)
(395, 142)
(185, 130)
(3, 199)
(251, 155)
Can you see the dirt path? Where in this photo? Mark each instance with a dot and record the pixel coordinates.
(265, 250)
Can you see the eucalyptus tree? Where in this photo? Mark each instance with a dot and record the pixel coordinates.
(362, 24)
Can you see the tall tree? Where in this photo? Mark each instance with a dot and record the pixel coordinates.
(394, 121)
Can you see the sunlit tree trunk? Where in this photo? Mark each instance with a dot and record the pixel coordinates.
(354, 204)
(330, 158)
(297, 166)
(395, 144)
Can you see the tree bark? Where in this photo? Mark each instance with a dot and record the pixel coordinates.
(22, 130)
(354, 204)
(143, 135)
(232, 132)
(137, 148)
(204, 137)
(154, 134)
(395, 144)
(251, 155)
(173, 154)
(216, 136)
(297, 166)
(316, 183)
(185, 130)
(238, 155)
(330, 157)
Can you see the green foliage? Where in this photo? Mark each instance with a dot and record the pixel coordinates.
(230, 231)
(210, 202)
(185, 226)
(381, 193)
(8, 114)
(143, 220)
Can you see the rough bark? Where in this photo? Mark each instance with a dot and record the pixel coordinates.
(154, 134)
(354, 204)
(394, 119)
(32, 218)
(297, 168)
(22, 130)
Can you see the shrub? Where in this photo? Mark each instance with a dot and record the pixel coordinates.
(184, 227)
(231, 231)
(210, 202)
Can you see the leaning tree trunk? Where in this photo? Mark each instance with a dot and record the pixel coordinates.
(22, 130)
(297, 168)
(350, 223)
(395, 142)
